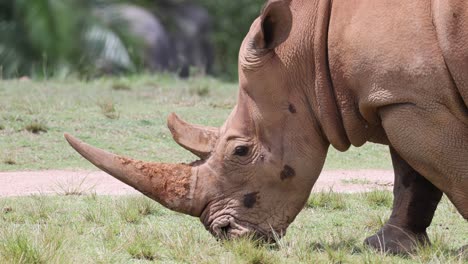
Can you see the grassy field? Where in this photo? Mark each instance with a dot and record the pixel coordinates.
(102, 229)
(128, 116)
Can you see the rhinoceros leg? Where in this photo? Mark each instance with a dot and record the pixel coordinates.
(414, 204)
(434, 141)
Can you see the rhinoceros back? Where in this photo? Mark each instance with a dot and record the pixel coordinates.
(451, 22)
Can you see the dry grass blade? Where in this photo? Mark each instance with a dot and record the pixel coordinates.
(108, 109)
(76, 188)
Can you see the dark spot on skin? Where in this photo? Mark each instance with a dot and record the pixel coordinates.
(250, 199)
(292, 108)
(287, 172)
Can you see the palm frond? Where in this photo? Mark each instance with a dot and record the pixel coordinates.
(106, 49)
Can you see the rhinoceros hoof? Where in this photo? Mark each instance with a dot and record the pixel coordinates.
(396, 240)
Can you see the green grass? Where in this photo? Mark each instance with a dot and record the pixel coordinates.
(329, 200)
(124, 115)
(127, 121)
(106, 229)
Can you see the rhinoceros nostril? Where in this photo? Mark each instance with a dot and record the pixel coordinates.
(225, 230)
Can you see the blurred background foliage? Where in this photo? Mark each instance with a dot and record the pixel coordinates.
(59, 38)
(52, 38)
(232, 20)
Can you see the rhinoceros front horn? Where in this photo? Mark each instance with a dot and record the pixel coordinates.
(172, 185)
(197, 139)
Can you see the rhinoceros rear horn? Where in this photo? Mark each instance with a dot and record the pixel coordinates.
(199, 140)
(172, 185)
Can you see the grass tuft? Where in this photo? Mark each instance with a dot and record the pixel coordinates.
(143, 247)
(145, 206)
(93, 216)
(328, 200)
(248, 250)
(118, 86)
(74, 188)
(338, 241)
(374, 223)
(227, 104)
(7, 210)
(36, 127)
(201, 89)
(336, 255)
(9, 161)
(379, 198)
(108, 109)
(142, 251)
(438, 251)
(2, 127)
(20, 249)
(134, 209)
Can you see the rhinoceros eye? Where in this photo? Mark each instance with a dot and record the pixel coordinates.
(241, 150)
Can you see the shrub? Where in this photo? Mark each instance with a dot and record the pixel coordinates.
(45, 38)
(232, 20)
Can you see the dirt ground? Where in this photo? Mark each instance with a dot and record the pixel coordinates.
(84, 182)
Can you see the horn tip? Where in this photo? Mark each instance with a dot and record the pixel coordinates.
(71, 140)
(67, 136)
(172, 122)
(171, 118)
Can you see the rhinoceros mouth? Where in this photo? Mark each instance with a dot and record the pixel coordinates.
(227, 227)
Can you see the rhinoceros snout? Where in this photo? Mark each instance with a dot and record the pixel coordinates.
(228, 228)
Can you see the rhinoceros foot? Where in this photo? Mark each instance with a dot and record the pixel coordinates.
(396, 240)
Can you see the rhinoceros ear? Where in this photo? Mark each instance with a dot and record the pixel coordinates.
(275, 25)
(199, 140)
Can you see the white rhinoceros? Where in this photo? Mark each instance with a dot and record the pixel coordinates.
(315, 73)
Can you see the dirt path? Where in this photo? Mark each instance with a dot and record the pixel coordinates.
(68, 182)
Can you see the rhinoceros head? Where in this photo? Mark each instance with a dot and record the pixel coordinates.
(257, 170)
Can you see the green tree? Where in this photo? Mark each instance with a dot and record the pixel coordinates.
(232, 20)
(44, 38)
